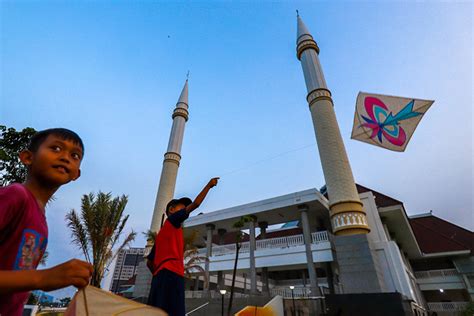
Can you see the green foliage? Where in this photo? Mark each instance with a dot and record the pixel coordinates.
(192, 258)
(44, 258)
(12, 142)
(150, 236)
(97, 229)
(239, 225)
(243, 220)
(65, 301)
(469, 311)
(32, 299)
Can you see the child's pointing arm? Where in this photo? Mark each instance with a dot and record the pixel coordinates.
(201, 196)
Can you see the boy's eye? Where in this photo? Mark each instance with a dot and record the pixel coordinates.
(76, 156)
(55, 148)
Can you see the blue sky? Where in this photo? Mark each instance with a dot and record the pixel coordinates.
(112, 71)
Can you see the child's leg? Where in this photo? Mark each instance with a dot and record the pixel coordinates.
(180, 300)
(158, 293)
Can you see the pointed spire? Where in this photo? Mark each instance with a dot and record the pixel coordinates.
(183, 98)
(302, 30)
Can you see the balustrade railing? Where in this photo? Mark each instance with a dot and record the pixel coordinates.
(286, 292)
(279, 242)
(436, 273)
(317, 237)
(212, 294)
(447, 306)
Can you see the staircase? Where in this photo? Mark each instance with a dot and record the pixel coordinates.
(215, 305)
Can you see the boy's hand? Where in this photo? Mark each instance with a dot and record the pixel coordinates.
(213, 182)
(73, 272)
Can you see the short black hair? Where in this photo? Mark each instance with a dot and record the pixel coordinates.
(63, 133)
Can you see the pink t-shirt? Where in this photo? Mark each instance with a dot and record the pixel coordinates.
(23, 239)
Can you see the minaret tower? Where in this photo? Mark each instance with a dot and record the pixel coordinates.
(169, 172)
(347, 215)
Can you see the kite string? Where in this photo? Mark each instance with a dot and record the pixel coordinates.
(265, 160)
(85, 301)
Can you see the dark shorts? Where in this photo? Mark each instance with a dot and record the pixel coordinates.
(167, 292)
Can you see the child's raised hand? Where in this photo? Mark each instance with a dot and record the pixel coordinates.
(73, 272)
(213, 182)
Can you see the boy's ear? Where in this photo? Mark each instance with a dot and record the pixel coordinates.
(26, 157)
(78, 175)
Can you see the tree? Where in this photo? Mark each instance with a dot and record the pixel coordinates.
(32, 299)
(469, 310)
(238, 244)
(65, 301)
(192, 259)
(12, 142)
(97, 230)
(44, 258)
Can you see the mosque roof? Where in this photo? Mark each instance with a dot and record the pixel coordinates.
(435, 235)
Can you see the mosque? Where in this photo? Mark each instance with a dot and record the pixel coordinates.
(342, 250)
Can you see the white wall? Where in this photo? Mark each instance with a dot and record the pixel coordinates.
(391, 265)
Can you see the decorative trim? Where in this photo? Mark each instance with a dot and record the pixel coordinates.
(317, 95)
(344, 206)
(181, 112)
(172, 157)
(304, 45)
(349, 221)
(349, 218)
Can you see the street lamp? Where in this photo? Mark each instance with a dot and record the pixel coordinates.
(222, 294)
(292, 287)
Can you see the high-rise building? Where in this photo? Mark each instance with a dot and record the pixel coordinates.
(126, 267)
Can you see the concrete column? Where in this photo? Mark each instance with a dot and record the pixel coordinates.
(244, 275)
(210, 229)
(263, 234)
(330, 277)
(253, 271)
(303, 275)
(196, 283)
(313, 281)
(220, 275)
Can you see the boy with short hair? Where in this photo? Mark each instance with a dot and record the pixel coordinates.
(166, 259)
(53, 158)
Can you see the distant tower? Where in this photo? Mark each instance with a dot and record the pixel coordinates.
(171, 161)
(169, 172)
(347, 215)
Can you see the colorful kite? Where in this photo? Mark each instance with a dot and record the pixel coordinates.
(272, 308)
(91, 301)
(387, 121)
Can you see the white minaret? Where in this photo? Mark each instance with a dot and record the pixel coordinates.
(169, 172)
(171, 161)
(347, 215)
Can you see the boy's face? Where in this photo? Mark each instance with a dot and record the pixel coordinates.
(56, 162)
(174, 208)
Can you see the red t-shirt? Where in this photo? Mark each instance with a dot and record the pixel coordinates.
(23, 239)
(168, 251)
